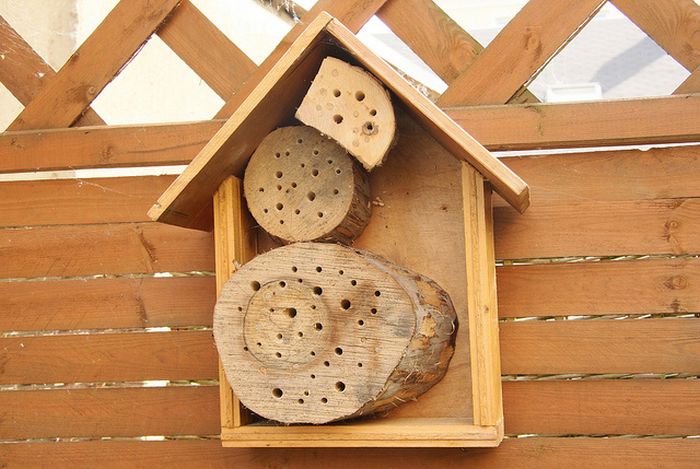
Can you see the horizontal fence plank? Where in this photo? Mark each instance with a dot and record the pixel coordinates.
(65, 251)
(79, 201)
(529, 126)
(106, 303)
(645, 407)
(624, 407)
(115, 412)
(517, 127)
(540, 453)
(599, 228)
(102, 147)
(605, 346)
(84, 358)
(597, 288)
(658, 173)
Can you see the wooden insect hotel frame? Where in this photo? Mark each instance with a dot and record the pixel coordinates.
(434, 140)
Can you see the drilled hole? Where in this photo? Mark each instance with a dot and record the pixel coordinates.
(324, 400)
(297, 211)
(315, 152)
(303, 165)
(320, 214)
(300, 141)
(318, 326)
(255, 285)
(318, 291)
(314, 172)
(330, 161)
(336, 191)
(300, 401)
(306, 393)
(278, 174)
(245, 349)
(279, 336)
(326, 363)
(373, 310)
(265, 210)
(338, 171)
(345, 304)
(294, 268)
(313, 354)
(359, 365)
(341, 272)
(281, 222)
(373, 112)
(311, 196)
(313, 306)
(338, 351)
(319, 269)
(368, 127)
(377, 293)
(278, 355)
(294, 185)
(282, 283)
(313, 376)
(337, 118)
(360, 323)
(300, 334)
(262, 189)
(259, 344)
(340, 386)
(336, 93)
(277, 392)
(353, 282)
(359, 95)
(290, 312)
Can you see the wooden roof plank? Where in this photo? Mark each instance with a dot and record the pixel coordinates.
(522, 48)
(672, 24)
(96, 62)
(24, 72)
(220, 63)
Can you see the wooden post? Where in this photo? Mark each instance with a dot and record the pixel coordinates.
(481, 299)
(234, 245)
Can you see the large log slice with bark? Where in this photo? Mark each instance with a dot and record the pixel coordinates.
(302, 186)
(317, 332)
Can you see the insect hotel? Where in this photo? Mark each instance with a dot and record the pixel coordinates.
(357, 302)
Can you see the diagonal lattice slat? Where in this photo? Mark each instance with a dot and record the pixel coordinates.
(672, 24)
(523, 47)
(203, 47)
(24, 72)
(98, 60)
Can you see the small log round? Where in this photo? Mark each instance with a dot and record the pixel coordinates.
(350, 105)
(317, 332)
(303, 186)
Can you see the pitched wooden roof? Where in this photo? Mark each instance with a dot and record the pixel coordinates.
(187, 202)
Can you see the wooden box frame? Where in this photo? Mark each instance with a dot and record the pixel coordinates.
(188, 202)
(235, 245)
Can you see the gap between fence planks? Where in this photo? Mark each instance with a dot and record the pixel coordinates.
(24, 72)
(639, 407)
(525, 45)
(125, 248)
(537, 453)
(106, 303)
(96, 62)
(520, 127)
(85, 358)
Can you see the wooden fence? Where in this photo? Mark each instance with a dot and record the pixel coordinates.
(605, 263)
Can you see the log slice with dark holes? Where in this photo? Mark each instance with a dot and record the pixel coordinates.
(302, 186)
(318, 332)
(350, 105)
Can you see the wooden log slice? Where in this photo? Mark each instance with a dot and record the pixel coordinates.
(303, 186)
(316, 332)
(350, 105)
